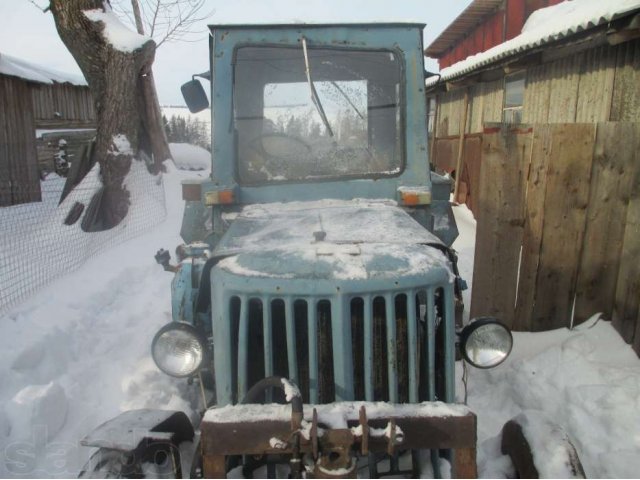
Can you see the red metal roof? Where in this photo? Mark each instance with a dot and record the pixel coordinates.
(461, 26)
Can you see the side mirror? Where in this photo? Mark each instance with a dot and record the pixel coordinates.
(194, 96)
(485, 342)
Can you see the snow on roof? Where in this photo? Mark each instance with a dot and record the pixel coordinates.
(545, 26)
(16, 67)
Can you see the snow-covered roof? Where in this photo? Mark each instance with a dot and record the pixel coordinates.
(17, 67)
(542, 27)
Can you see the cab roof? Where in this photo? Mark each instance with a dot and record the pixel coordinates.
(315, 25)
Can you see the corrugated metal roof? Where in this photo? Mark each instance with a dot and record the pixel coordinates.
(461, 26)
(545, 26)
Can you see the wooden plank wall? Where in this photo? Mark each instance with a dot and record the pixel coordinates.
(558, 236)
(499, 216)
(62, 106)
(19, 179)
(446, 154)
(595, 85)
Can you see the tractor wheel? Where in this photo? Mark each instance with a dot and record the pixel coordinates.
(159, 462)
(531, 440)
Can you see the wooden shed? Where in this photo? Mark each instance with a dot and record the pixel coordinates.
(35, 102)
(543, 132)
(507, 61)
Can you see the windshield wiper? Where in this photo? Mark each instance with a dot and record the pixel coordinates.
(314, 94)
(346, 97)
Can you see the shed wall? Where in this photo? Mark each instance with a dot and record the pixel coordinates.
(19, 179)
(62, 106)
(595, 85)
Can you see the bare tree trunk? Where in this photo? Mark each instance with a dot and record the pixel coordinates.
(116, 79)
(159, 143)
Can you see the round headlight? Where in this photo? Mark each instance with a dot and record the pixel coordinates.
(178, 349)
(485, 343)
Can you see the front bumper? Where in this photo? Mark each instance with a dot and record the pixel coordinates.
(328, 438)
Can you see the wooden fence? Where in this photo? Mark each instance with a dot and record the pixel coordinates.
(558, 236)
(445, 154)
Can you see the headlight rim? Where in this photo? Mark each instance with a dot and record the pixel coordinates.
(190, 329)
(474, 325)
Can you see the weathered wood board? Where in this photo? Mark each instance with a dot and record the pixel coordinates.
(615, 154)
(533, 223)
(19, 180)
(444, 158)
(500, 222)
(626, 316)
(566, 200)
(472, 162)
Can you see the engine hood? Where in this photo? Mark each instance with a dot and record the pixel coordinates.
(329, 239)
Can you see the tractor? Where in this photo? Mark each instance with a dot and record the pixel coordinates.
(315, 298)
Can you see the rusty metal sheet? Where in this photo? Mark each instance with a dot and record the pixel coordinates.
(255, 435)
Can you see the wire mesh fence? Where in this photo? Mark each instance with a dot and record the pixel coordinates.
(43, 240)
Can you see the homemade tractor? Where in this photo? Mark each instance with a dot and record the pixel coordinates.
(314, 301)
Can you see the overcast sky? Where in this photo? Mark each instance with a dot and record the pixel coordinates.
(30, 34)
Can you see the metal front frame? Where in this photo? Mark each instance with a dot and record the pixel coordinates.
(428, 425)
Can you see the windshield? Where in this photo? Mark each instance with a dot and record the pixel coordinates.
(338, 116)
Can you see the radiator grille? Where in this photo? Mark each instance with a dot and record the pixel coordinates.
(382, 346)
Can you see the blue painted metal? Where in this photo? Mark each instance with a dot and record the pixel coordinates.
(412, 332)
(312, 308)
(291, 338)
(368, 347)
(431, 345)
(290, 277)
(342, 356)
(339, 293)
(449, 345)
(392, 360)
(182, 294)
(243, 345)
(403, 39)
(221, 354)
(267, 334)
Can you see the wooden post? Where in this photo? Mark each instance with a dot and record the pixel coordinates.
(432, 147)
(463, 128)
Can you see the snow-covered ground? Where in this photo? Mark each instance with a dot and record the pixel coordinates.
(190, 157)
(77, 353)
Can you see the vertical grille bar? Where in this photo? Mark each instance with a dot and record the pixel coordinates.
(312, 313)
(267, 339)
(222, 354)
(342, 355)
(449, 340)
(243, 347)
(368, 347)
(389, 303)
(412, 333)
(291, 339)
(431, 344)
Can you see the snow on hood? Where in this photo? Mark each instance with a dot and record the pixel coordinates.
(329, 239)
(544, 26)
(17, 67)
